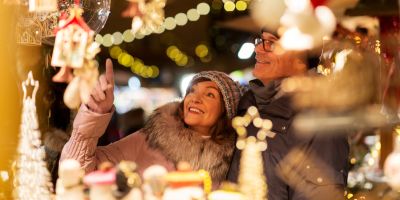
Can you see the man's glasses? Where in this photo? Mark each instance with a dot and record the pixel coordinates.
(268, 45)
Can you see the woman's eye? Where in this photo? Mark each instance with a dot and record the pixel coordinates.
(211, 95)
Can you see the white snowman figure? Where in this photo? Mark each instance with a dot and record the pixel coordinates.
(69, 184)
(101, 182)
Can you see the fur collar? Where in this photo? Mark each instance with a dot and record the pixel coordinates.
(166, 131)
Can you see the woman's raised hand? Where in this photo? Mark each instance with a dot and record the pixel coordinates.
(102, 96)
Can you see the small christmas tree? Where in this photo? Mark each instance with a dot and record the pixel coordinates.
(32, 179)
(252, 181)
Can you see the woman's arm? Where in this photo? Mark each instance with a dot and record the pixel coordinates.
(87, 128)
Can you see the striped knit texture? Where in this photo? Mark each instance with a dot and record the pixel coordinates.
(230, 90)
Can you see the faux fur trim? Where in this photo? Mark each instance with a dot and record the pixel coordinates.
(166, 131)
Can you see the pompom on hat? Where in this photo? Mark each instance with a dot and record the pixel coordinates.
(231, 91)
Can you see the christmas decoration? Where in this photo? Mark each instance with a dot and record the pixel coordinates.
(101, 182)
(42, 5)
(252, 181)
(184, 184)
(301, 24)
(69, 183)
(74, 48)
(33, 27)
(392, 166)
(154, 182)
(32, 179)
(147, 16)
(128, 181)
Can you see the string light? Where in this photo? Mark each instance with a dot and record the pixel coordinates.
(135, 64)
(170, 23)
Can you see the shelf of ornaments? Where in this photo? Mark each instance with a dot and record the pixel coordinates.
(123, 182)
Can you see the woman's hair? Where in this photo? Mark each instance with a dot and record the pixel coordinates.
(223, 127)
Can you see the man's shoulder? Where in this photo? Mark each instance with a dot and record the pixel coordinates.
(246, 101)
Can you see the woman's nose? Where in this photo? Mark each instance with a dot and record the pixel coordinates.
(196, 98)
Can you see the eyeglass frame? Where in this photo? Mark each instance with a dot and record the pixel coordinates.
(258, 39)
(265, 42)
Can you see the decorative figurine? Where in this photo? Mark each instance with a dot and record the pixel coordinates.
(69, 183)
(128, 182)
(101, 182)
(184, 184)
(154, 182)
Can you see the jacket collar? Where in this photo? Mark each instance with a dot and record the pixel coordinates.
(166, 131)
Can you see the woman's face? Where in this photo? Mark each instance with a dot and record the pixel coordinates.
(202, 107)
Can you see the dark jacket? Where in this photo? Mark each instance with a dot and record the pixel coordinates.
(296, 167)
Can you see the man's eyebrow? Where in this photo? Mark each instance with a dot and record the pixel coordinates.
(269, 36)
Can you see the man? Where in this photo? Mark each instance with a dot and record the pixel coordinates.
(296, 168)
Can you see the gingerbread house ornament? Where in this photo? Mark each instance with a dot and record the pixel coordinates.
(72, 39)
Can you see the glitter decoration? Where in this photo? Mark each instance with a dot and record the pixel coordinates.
(32, 179)
(252, 181)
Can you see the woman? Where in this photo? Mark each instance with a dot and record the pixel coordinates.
(196, 130)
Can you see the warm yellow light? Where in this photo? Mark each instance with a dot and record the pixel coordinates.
(128, 36)
(115, 51)
(181, 19)
(117, 38)
(170, 49)
(182, 61)
(98, 39)
(125, 59)
(156, 71)
(107, 40)
(201, 50)
(203, 8)
(241, 5)
(169, 23)
(174, 53)
(193, 15)
(229, 6)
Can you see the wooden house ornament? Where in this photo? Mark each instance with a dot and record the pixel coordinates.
(72, 39)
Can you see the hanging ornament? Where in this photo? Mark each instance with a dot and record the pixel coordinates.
(302, 24)
(74, 51)
(32, 179)
(252, 181)
(146, 16)
(72, 38)
(42, 5)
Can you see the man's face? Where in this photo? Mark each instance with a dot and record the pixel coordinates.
(270, 65)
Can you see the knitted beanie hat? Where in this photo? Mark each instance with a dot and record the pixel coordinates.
(230, 90)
